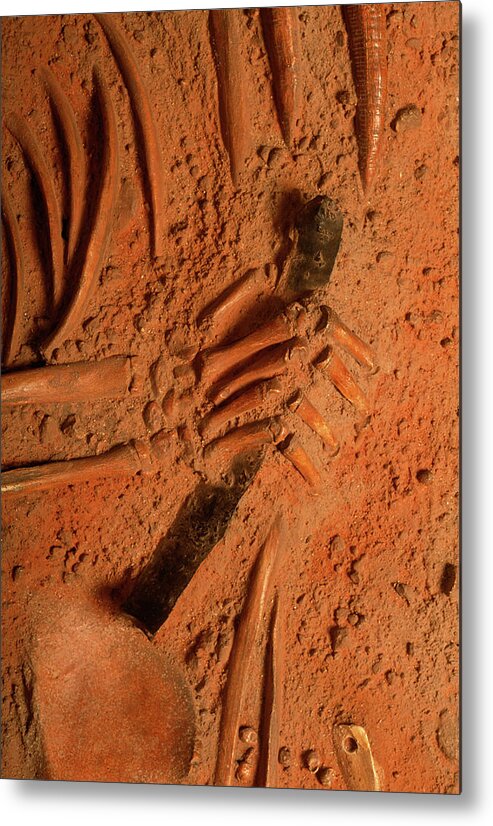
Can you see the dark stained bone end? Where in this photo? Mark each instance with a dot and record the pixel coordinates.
(319, 230)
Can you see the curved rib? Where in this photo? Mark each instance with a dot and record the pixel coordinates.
(244, 646)
(147, 130)
(281, 35)
(98, 241)
(234, 116)
(24, 136)
(367, 35)
(75, 156)
(16, 298)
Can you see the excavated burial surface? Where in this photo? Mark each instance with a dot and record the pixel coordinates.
(367, 572)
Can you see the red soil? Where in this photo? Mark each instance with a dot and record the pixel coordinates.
(368, 573)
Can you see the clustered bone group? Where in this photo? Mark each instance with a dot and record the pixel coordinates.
(233, 379)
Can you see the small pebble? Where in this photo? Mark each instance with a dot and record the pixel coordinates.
(325, 777)
(152, 416)
(275, 156)
(48, 431)
(169, 404)
(311, 761)
(158, 376)
(341, 615)
(377, 666)
(244, 772)
(409, 117)
(338, 638)
(248, 734)
(420, 171)
(284, 757)
(353, 619)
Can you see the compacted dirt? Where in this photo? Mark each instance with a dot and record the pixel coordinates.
(367, 572)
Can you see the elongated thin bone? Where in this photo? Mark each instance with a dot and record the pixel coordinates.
(242, 439)
(300, 405)
(342, 379)
(267, 365)
(227, 305)
(242, 652)
(98, 242)
(16, 295)
(225, 27)
(281, 35)
(273, 698)
(253, 397)
(146, 125)
(298, 457)
(23, 134)
(75, 156)
(342, 335)
(217, 362)
(125, 460)
(80, 382)
(367, 36)
(355, 758)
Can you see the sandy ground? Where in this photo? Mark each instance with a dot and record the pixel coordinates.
(368, 576)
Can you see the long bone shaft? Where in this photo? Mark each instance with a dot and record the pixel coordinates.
(244, 439)
(309, 414)
(268, 364)
(342, 379)
(250, 399)
(340, 334)
(299, 458)
(215, 363)
(124, 460)
(79, 382)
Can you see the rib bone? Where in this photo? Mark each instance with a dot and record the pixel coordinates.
(98, 242)
(146, 126)
(244, 646)
(21, 131)
(17, 287)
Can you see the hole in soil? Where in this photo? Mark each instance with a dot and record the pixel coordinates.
(447, 581)
(200, 524)
(350, 745)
